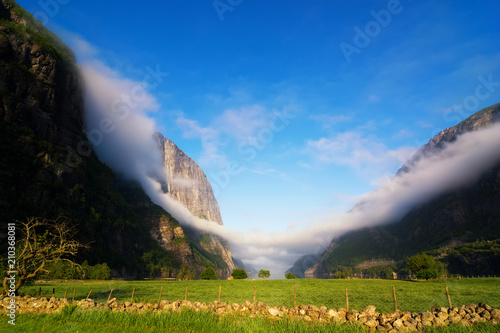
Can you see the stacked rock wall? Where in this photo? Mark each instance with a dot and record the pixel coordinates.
(369, 318)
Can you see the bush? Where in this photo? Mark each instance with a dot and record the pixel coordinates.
(208, 274)
(99, 272)
(290, 276)
(239, 274)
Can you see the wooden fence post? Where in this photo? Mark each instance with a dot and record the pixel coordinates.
(347, 300)
(186, 296)
(109, 297)
(90, 292)
(53, 292)
(220, 290)
(448, 295)
(295, 295)
(159, 298)
(254, 294)
(395, 301)
(132, 299)
(74, 292)
(66, 293)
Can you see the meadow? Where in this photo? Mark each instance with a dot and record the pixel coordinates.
(103, 321)
(415, 296)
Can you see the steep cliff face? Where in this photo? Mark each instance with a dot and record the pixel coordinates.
(40, 112)
(461, 215)
(187, 183)
(48, 167)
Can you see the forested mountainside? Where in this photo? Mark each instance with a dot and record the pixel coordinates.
(48, 167)
(458, 217)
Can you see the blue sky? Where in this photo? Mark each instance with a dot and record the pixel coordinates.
(294, 109)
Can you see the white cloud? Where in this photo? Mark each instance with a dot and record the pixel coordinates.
(233, 127)
(209, 138)
(366, 154)
(117, 123)
(244, 122)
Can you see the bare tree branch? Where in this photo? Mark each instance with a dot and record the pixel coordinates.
(41, 242)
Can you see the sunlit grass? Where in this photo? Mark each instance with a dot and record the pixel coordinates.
(74, 320)
(411, 295)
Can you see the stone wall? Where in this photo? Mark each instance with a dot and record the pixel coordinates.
(466, 315)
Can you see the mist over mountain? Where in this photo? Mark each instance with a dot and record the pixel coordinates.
(77, 142)
(450, 195)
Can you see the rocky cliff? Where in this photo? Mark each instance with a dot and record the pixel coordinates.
(187, 183)
(456, 217)
(48, 167)
(477, 121)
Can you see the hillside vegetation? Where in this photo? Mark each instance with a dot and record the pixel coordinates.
(448, 225)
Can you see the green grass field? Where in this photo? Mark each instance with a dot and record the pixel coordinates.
(411, 295)
(71, 320)
(415, 296)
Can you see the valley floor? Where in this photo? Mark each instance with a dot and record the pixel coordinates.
(107, 322)
(414, 296)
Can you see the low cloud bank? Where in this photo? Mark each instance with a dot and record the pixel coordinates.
(459, 163)
(117, 121)
(121, 131)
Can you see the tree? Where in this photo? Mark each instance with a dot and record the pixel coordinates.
(38, 244)
(343, 274)
(239, 274)
(157, 261)
(290, 276)
(424, 266)
(185, 273)
(264, 274)
(208, 274)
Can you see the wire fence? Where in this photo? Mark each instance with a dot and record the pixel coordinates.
(386, 295)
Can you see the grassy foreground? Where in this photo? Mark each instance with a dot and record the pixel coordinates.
(74, 320)
(414, 296)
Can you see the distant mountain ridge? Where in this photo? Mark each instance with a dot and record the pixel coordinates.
(477, 121)
(458, 216)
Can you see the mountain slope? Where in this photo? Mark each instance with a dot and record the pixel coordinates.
(458, 216)
(42, 173)
(48, 167)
